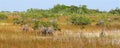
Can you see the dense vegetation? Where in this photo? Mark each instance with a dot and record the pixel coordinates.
(3, 16)
(79, 15)
(80, 20)
(71, 21)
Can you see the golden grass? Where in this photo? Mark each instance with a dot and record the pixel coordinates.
(9, 38)
(12, 36)
(25, 40)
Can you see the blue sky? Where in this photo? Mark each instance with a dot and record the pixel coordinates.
(22, 5)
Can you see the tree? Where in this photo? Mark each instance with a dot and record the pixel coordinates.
(57, 8)
(115, 11)
(73, 9)
(83, 9)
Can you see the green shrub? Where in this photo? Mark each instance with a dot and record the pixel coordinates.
(45, 24)
(3, 16)
(36, 25)
(80, 20)
(16, 21)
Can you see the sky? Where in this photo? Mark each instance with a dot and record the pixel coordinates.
(22, 5)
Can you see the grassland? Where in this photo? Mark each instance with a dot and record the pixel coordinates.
(12, 36)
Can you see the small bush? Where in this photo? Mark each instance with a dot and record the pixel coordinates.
(36, 25)
(16, 21)
(45, 24)
(3, 16)
(80, 20)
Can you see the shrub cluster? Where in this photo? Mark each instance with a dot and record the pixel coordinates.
(80, 20)
(3, 16)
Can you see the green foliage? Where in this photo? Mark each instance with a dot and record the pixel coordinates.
(45, 24)
(16, 21)
(30, 15)
(3, 16)
(104, 21)
(80, 20)
(36, 25)
(115, 11)
(57, 8)
(72, 9)
(35, 13)
(55, 25)
(21, 21)
(82, 9)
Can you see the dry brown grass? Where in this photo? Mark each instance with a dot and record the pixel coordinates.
(32, 40)
(9, 38)
(12, 36)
